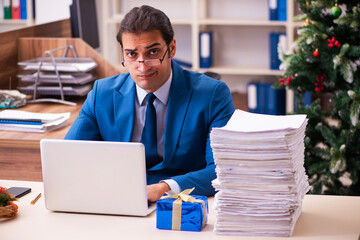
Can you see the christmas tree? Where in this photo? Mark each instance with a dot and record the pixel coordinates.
(325, 62)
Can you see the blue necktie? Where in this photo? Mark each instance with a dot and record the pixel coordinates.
(149, 134)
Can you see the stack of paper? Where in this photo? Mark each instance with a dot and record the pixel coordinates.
(260, 174)
(15, 120)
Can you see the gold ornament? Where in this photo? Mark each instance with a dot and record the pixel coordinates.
(306, 23)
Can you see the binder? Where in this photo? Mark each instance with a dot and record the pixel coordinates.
(205, 49)
(15, 9)
(307, 97)
(252, 103)
(23, 9)
(274, 62)
(276, 101)
(282, 10)
(273, 11)
(275, 39)
(282, 44)
(7, 9)
(262, 97)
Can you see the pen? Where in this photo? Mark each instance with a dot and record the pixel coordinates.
(35, 199)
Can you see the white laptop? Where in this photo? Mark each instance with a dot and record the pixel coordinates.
(95, 177)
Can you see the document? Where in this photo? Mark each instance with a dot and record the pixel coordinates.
(261, 180)
(23, 121)
(61, 64)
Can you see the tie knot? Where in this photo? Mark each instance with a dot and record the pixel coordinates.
(150, 97)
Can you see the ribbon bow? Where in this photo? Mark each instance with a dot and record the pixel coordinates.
(177, 206)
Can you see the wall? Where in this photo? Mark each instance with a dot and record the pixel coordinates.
(51, 10)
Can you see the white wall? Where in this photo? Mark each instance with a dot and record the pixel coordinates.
(51, 10)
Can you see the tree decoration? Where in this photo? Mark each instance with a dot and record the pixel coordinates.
(326, 63)
(316, 53)
(288, 80)
(333, 43)
(8, 209)
(282, 81)
(319, 85)
(336, 11)
(306, 23)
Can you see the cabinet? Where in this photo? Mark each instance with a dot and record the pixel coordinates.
(12, 24)
(240, 34)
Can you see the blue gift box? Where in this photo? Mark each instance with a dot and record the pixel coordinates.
(192, 214)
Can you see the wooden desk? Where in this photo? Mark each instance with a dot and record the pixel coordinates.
(323, 217)
(20, 151)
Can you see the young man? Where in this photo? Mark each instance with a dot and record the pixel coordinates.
(169, 109)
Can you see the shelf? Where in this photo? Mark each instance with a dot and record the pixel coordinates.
(240, 38)
(241, 22)
(12, 24)
(234, 70)
(14, 21)
(117, 18)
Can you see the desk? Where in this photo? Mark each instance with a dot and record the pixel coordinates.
(323, 217)
(20, 151)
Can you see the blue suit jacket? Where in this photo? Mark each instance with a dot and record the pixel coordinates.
(197, 103)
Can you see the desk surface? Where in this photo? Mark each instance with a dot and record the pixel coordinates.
(31, 140)
(323, 217)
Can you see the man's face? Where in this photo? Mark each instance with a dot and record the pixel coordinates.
(144, 46)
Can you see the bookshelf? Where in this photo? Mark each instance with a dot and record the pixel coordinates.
(240, 35)
(12, 24)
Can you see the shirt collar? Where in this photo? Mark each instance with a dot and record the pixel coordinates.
(162, 93)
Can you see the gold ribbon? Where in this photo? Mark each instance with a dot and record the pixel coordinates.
(177, 206)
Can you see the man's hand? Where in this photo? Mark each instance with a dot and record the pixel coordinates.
(156, 191)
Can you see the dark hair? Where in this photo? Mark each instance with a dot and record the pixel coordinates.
(145, 19)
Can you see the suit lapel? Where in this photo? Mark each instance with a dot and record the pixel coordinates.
(179, 99)
(124, 107)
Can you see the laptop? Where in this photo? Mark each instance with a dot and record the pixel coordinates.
(95, 177)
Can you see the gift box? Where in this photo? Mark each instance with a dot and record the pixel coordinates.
(182, 212)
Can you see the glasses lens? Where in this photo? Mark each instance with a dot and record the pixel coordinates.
(152, 62)
(147, 62)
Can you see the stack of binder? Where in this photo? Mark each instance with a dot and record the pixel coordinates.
(261, 179)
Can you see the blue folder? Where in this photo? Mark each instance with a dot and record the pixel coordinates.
(276, 101)
(281, 4)
(23, 9)
(273, 10)
(205, 49)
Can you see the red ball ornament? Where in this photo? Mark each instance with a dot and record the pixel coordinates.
(282, 81)
(288, 80)
(316, 53)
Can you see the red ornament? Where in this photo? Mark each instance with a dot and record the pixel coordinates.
(282, 81)
(319, 85)
(288, 80)
(333, 42)
(316, 53)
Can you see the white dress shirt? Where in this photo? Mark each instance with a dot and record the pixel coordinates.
(161, 105)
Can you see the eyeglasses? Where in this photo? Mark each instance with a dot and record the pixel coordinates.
(147, 62)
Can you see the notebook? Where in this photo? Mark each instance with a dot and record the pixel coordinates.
(95, 177)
